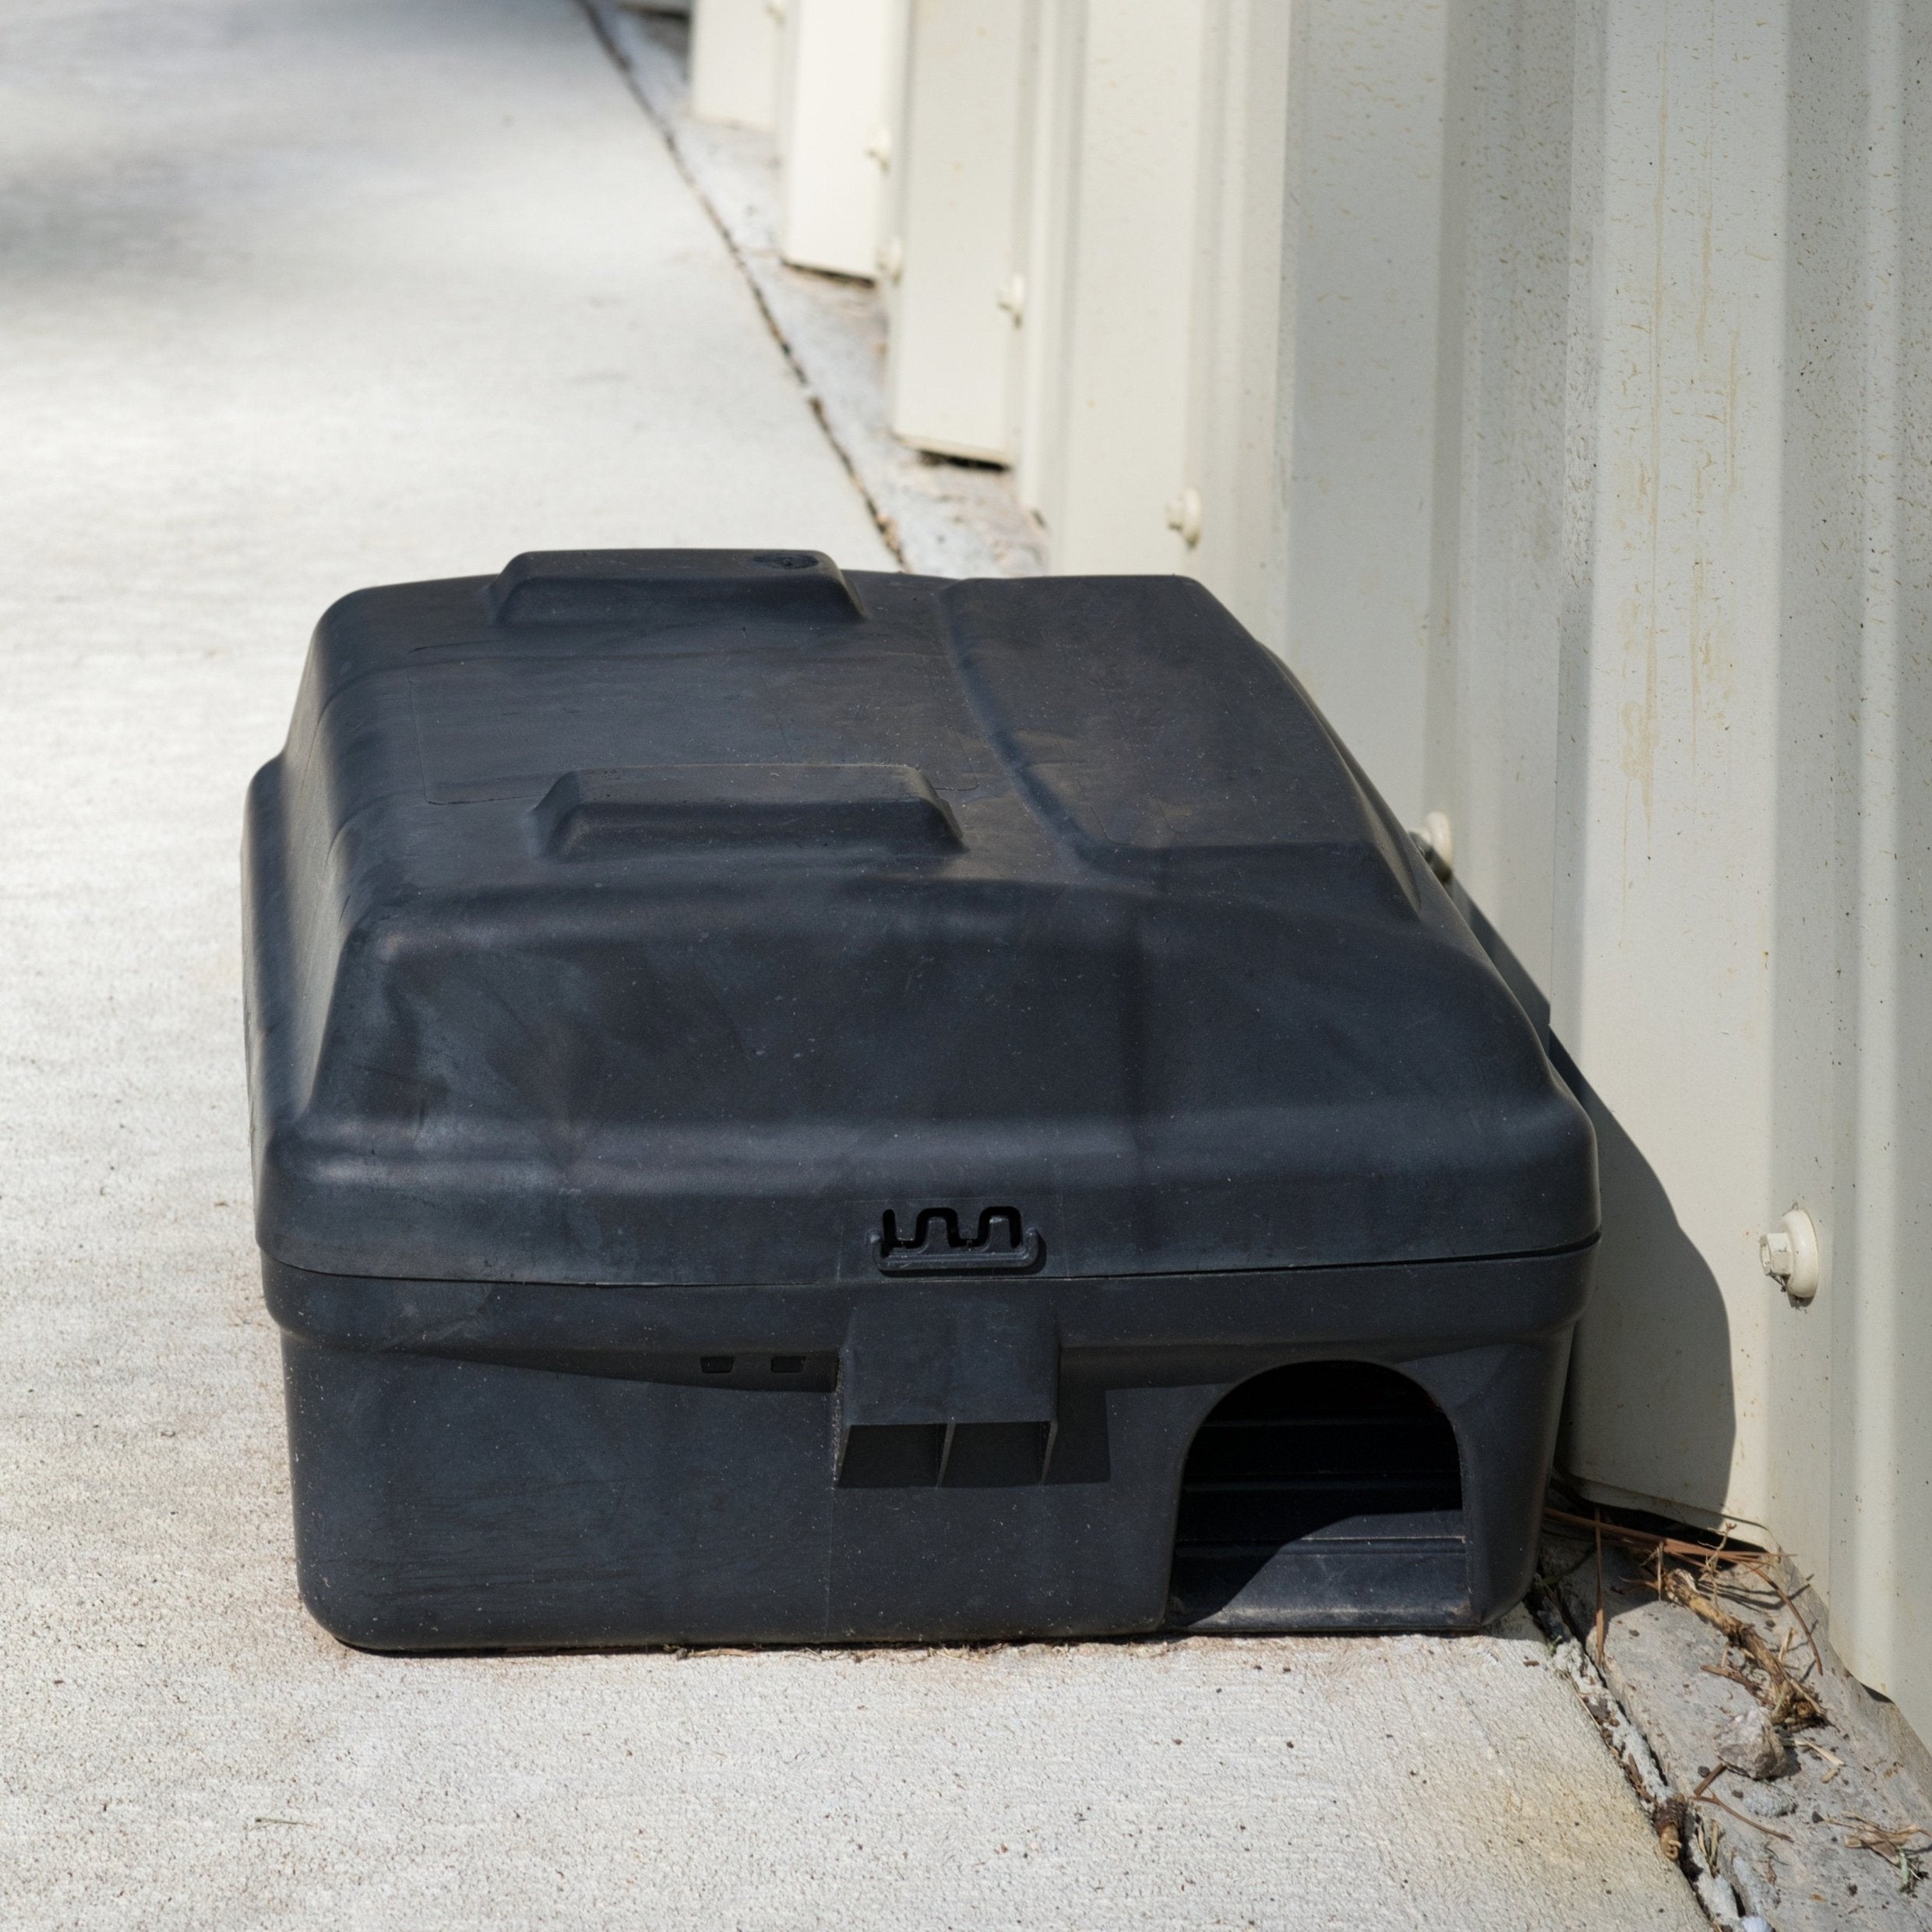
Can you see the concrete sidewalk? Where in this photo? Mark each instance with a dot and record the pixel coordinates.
(300, 295)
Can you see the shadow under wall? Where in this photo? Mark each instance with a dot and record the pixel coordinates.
(1650, 1414)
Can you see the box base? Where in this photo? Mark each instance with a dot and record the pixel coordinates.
(488, 1466)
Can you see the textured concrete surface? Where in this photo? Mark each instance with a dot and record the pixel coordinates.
(303, 293)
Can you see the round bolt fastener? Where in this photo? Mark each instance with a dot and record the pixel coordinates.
(1184, 515)
(1789, 1255)
(1436, 839)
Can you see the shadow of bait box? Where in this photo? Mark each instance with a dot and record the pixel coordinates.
(790, 1108)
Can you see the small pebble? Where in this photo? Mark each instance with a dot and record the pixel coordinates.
(1749, 1743)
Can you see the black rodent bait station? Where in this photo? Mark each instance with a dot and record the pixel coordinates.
(793, 1108)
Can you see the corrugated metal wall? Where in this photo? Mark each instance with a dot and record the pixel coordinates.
(1548, 383)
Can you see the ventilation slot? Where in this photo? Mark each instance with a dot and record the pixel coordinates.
(1310, 1490)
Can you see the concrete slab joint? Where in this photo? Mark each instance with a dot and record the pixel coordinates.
(1765, 1768)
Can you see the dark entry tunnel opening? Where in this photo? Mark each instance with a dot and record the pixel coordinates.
(1327, 1456)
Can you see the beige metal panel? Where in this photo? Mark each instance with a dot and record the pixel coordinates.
(1512, 485)
(835, 116)
(1231, 504)
(889, 210)
(1047, 205)
(1363, 270)
(736, 46)
(960, 161)
(1148, 359)
(1422, 444)
(1851, 1050)
(1148, 355)
(1882, 1318)
(1662, 978)
(1125, 304)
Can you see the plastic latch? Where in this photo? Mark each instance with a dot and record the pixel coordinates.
(938, 1387)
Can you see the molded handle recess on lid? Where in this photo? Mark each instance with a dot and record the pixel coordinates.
(808, 807)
